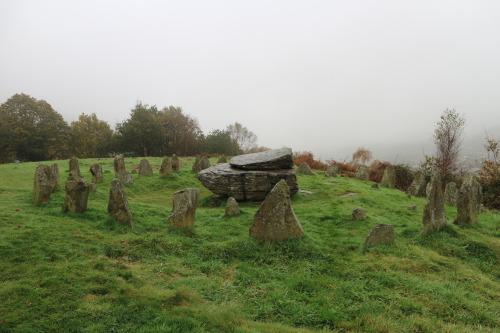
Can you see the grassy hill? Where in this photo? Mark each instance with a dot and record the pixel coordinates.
(84, 273)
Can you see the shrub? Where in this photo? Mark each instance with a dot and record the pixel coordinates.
(404, 177)
(345, 169)
(308, 157)
(377, 170)
(489, 178)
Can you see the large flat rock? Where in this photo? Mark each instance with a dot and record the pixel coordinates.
(275, 159)
(226, 181)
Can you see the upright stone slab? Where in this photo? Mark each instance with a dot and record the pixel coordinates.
(389, 177)
(74, 166)
(166, 166)
(332, 171)
(232, 207)
(418, 186)
(362, 172)
(118, 207)
(42, 185)
(96, 171)
(451, 194)
(176, 167)
(222, 159)
(56, 183)
(204, 163)
(145, 169)
(382, 233)
(434, 218)
(77, 194)
(275, 159)
(120, 172)
(275, 220)
(184, 208)
(470, 198)
(304, 169)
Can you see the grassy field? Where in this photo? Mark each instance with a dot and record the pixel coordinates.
(84, 273)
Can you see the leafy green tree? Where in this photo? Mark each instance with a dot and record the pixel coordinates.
(220, 142)
(142, 132)
(32, 130)
(245, 138)
(90, 137)
(183, 135)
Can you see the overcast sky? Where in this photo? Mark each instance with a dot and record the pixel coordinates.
(323, 76)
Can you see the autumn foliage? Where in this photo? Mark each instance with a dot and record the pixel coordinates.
(308, 157)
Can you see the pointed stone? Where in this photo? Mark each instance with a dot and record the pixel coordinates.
(96, 171)
(232, 207)
(358, 214)
(418, 186)
(222, 159)
(389, 177)
(77, 194)
(145, 169)
(118, 207)
(362, 173)
(74, 166)
(470, 199)
(204, 163)
(332, 171)
(166, 167)
(382, 233)
(451, 194)
(120, 172)
(196, 163)
(42, 185)
(184, 208)
(275, 220)
(304, 169)
(434, 218)
(56, 183)
(176, 167)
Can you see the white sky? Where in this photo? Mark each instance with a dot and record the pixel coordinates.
(324, 76)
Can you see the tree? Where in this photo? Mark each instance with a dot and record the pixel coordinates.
(90, 137)
(182, 133)
(448, 139)
(220, 142)
(362, 156)
(32, 130)
(245, 138)
(142, 132)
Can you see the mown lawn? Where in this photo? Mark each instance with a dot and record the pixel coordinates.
(84, 273)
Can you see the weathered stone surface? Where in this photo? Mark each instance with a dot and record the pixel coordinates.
(434, 218)
(77, 194)
(232, 207)
(96, 171)
(196, 164)
(120, 172)
(145, 169)
(275, 219)
(358, 214)
(417, 187)
(42, 185)
(92, 187)
(200, 163)
(304, 169)
(382, 233)
(451, 194)
(74, 166)
(362, 173)
(332, 171)
(222, 159)
(470, 199)
(275, 159)
(118, 207)
(175, 164)
(56, 183)
(224, 180)
(389, 177)
(184, 208)
(166, 166)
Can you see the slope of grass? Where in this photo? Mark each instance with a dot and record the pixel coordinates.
(84, 273)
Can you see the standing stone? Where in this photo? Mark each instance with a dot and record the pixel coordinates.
(196, 163)
(56, 183)
(175, 164)
(451, 194)
(358, 214)
(42, 186)
(382, 233)
(332, 171)
(92, 187)
(417, 187)
(166, 167)
(77, 194)
(304, 169)
(145, 169)
(470, 199)
(275, 219)
(434, 218)
(389, 177)
(184, 208)
(232, 207)
(118, 207)
(222, 159)
(96, 171)
(74, 166)
(120, 172)
(362, 173)
(200, 163)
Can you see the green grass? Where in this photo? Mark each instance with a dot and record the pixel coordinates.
(85, 273)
